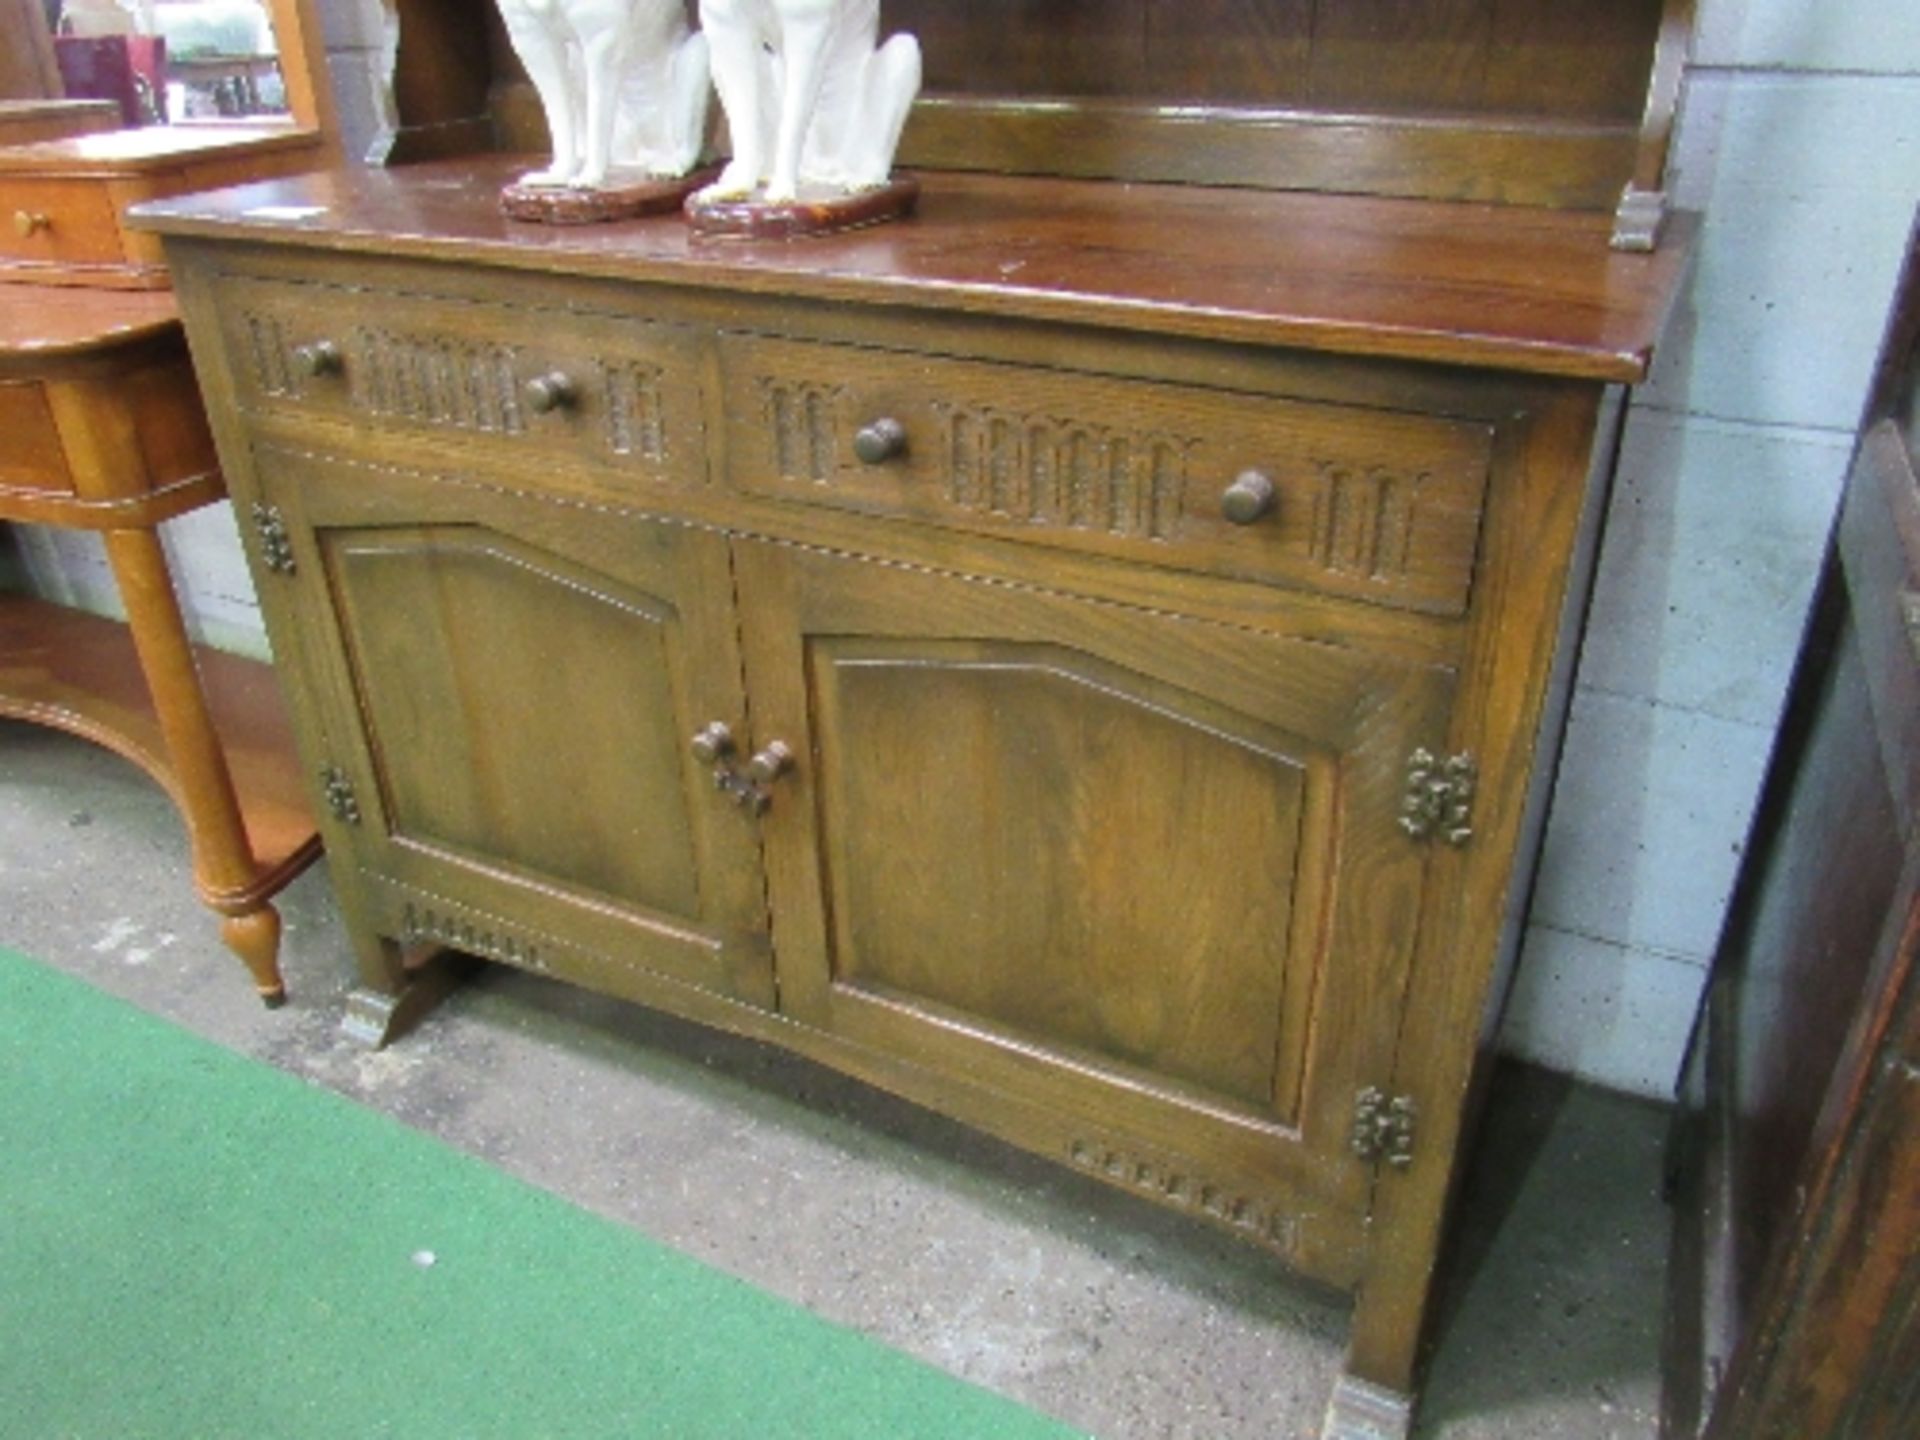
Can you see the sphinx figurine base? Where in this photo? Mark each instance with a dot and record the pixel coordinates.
(625, 195)
(755, 218)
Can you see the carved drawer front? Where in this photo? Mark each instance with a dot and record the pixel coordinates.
(1375, 504)
(591, 388)
(57, 222)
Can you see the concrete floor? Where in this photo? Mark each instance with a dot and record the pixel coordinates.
(1099, 1309)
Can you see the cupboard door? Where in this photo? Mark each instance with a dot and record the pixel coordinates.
(518, 681)
(1132, 867)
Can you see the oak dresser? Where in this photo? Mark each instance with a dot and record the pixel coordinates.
(1089, 658)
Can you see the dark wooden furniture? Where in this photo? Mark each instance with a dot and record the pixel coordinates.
(1089, 658)
(1795, 1309)
(1525, 102)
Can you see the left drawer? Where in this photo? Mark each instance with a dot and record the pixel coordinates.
(59, 222)
(615, 395)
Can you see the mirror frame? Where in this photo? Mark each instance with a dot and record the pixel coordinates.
(303, 68)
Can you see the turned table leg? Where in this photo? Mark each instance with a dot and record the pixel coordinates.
(224, 869)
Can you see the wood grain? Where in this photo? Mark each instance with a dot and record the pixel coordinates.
(1537, 292)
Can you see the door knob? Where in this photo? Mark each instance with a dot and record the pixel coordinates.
(1249, 497)
(712, 744)
(771, 763)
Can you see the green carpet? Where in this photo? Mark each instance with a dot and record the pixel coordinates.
(193, 1244)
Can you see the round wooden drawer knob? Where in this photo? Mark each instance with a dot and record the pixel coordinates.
(320, 357)
(552, 391)
(1248, 498)
(879, 442)
(27, 223)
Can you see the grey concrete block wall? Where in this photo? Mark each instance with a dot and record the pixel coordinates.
(1800, 143)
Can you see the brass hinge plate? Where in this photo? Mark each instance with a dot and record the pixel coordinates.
(1438, 804)
(338, 791)
(276, 546)
(1383, 1127)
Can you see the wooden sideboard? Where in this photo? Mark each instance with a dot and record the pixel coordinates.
(1089, 659)
(1795, 1282)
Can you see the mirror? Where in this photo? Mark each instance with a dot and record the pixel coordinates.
(192, 62)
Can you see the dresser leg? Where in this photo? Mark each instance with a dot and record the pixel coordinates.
(394, 995)
(255, 938)
(1361, 1410)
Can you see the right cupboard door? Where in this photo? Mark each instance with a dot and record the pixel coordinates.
(1142, 876)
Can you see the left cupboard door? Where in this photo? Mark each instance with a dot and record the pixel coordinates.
(511, 686)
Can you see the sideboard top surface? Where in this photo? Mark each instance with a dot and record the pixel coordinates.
(1520, 289)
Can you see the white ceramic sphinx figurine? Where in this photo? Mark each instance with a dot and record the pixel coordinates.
(622, 82)
(811, 103)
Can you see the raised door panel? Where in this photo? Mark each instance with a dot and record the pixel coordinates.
(523, 678)
(1052, 806)
(1144, 872)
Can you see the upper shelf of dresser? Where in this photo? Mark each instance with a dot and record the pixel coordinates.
(1512, 288)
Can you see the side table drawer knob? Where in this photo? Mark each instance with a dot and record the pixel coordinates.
(27, 223)
(1248, 498)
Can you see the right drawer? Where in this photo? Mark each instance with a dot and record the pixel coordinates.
(1374, 504)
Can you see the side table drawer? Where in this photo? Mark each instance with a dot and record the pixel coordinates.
(58, 222)
(534, 384)
(1373, 504)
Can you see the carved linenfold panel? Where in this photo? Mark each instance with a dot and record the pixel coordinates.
(268, 349)
(1364, 520)
(1186, 1191)
(422, 926)
(636, 422)
(436, 380)
(1063, 472)
(801, 421)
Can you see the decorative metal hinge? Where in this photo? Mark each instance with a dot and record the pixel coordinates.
(1439, 797)
(338, 790)
(276, 549)
(1383, 1127)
